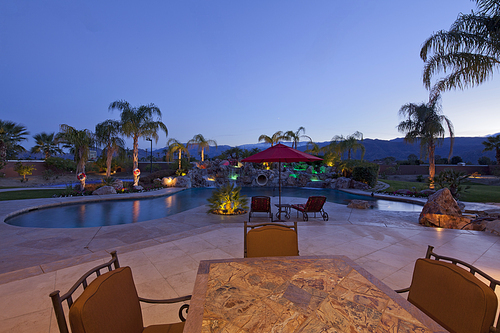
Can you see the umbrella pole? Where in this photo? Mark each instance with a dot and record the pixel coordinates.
(279, 183)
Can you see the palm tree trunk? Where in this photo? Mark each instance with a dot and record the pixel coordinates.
(109, 158)
(180, 152)
(497, 155)
(202, 154)
(432, 165)
(135, 159)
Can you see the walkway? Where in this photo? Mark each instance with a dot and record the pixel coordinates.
(164, 253)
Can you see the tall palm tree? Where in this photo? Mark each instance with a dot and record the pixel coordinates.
(274, 139)
(424, 122)
(493, 143)
(11, 134)
(173, 146)
(46, 143)
(202, 143)
(469, 51)
(295, 136)
(351, 144)
(107, 134)
(79, 142)
(142, 121)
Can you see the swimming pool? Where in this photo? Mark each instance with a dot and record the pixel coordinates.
(116, 212)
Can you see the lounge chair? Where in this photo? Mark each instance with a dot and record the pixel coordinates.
(109, 304)
(270, 240)
(314, 205)
(452, 295)
(260, 204)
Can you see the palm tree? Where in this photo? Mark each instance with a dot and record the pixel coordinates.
(79, 142)
(274, 139)
(351, 144)
(295, 136)
(493, 143)
(469, 51)
(139, 122)
(202, 143)
(107, 135)
(425, 123)
(11, 134)
(46, 143)
(174, 145)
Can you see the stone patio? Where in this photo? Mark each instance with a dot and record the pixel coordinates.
(164, 253)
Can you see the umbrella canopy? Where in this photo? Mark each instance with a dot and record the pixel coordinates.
(281, 153)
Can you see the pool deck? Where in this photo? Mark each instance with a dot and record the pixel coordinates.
(164, 253)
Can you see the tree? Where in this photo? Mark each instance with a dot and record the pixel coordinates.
(107, 135)
(351, 144)
(469, 51)
(11, 134)
(79, 143)
(493, 143)
(174, 145)
(456, 160)
(24, 170)
(274, 139)
(202, 143)
(46, 144)
(295, 136)
(484, 160)
(142, 121)
(424, 123)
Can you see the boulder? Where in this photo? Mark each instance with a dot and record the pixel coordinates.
(441, 210)
(428, 191)
(117, 184)
(138, 188)
(359, 185)
(343, 182)
(359, 204)
(183, 181)
(104, 190)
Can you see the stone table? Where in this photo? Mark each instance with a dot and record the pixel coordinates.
(298, 294)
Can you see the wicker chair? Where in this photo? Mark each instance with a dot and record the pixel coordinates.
(453, 295)
(270, 240)
(260, 204)
(109, 304)
(314, 205)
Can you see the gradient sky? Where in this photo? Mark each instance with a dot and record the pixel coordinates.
(230, 70)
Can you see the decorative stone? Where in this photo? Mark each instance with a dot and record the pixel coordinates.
(359, 185)
(138, 188)
(441, 210)
(343, 182)
(359, 204)
(117, 184)
(183, 181)
(104, 190)
(428, 191)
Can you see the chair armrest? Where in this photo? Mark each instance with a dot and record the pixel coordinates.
(405, 290)
(166, 301)
(170, 301)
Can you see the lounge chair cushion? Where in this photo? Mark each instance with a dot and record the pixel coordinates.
(272, 241)
(452, 296)
(109, 304)
(167, 328)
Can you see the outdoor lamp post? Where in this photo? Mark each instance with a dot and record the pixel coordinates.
(151, 157)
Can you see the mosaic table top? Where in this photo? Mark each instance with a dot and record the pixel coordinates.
(298, 294)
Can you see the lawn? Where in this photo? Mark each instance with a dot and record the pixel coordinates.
(30, 194)
(474, 193)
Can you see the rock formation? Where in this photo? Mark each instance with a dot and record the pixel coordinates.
(441, 210)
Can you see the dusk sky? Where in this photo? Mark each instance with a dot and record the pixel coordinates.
(229, 70)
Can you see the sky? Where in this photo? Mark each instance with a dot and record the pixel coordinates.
(229, 70)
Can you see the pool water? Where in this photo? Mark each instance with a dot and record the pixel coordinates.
(116, 212)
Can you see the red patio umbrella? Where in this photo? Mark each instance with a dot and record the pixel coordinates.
(281, 153)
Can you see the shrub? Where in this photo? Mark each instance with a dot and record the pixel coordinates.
(367, 173)
(58, 164)
(158, 174)
(47, 174)
(227, 200)
(451, 179)
(24, 170)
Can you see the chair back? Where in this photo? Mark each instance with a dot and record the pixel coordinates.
(270, 240)
(452, 296)
(315, 203)
(109, 304)
(261, 204)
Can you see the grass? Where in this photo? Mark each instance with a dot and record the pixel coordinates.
(474, 193)
(30, 194)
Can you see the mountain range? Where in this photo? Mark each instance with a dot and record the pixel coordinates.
(470, 149)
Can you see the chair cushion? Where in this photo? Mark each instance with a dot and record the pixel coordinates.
(272, 241)
(167, 328)
(261, 204)
(109, 304)
(315, 203)
(452, 296)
